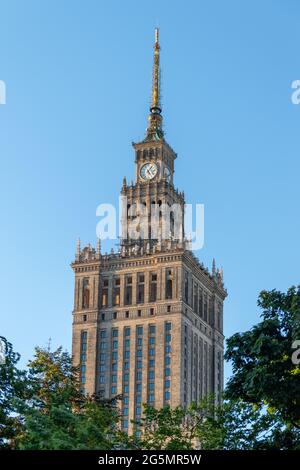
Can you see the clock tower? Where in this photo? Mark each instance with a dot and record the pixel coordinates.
(148, 319)
(153, 198)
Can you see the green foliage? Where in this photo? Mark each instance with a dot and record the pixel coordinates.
(57, 415)
(176, 429)
(13, 384)
(263, 372)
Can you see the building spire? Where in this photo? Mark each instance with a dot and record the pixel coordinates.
(154, 130)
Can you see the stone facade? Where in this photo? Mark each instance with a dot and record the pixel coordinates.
(148, 320)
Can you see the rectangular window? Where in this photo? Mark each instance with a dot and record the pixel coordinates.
(114, 366)
(167, 371)
(138, 387)
(102, 357)
(151, 362)
(151, 386)
(115, 344)
(102, 333)
(126, 377)
(168, 338)
(167, 395)
(152, 340)
(126, 388)
(167, 383)
(139, 364)
(138, 410)
(126, 365)
(139, 376)
(151, 374)
(139, 330)
(115, 355)
(127, 331)
(127, 354)
(151, 329)
(127, 343)
(125, 411)
(115, 333)
(151, 352)
(168, 349)
(168, 326)
(151, 397)
(114, 379)
(102, 345)
(102, 379)
(138, 399)
(113, 390)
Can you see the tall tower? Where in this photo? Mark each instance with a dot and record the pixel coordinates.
(148, 319)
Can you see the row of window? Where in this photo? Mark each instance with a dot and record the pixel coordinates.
(140, 289)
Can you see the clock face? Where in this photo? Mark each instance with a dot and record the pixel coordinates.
(148, 171)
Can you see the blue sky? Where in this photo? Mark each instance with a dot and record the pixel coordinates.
(78, 78)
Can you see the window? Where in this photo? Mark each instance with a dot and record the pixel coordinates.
(139, 376)
(151, 386)
(84, 317)
(167, 395)
(167, 371)
(115, 314)
(114, 379)
(83, 369)
(138, 387)
(115, 333)
(126, 388)
(167, 360)
(152, 329)
(151, 397)
(83, 357)
(114, 366)
(102, 333)
(125, 423)
(151, 374)
(126, 377)
(140, 341)
(128, 290)
(151, 362)
(167, 383)
(168, 326)
(116, 291)
(138, 410)
(126, 365)
(169, 308)
(139, 313)
(153, 288)
(127, 354)
(102, 345)
(126, 400)
(139, 364)
(125, 411)
(102, 357)
(152, 340)
(138, 399)
(168, 338)
(139, 353)
(103, 316)
(127, 331)
(139, 330)
(169, 284)
(151, 352)
(127, 314)
(127, 343)
(102, 379)
(141, 289)
(115, 355)
(102, 367)
(115, 344)
(151, 311)
(113, 389)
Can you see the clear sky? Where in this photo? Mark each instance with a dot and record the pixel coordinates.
(78, 78)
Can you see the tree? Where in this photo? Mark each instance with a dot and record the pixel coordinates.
(13, 384)
(57, 415)
(176, 429)
(264, 374)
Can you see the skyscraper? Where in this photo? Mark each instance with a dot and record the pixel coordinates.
(148, 319)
